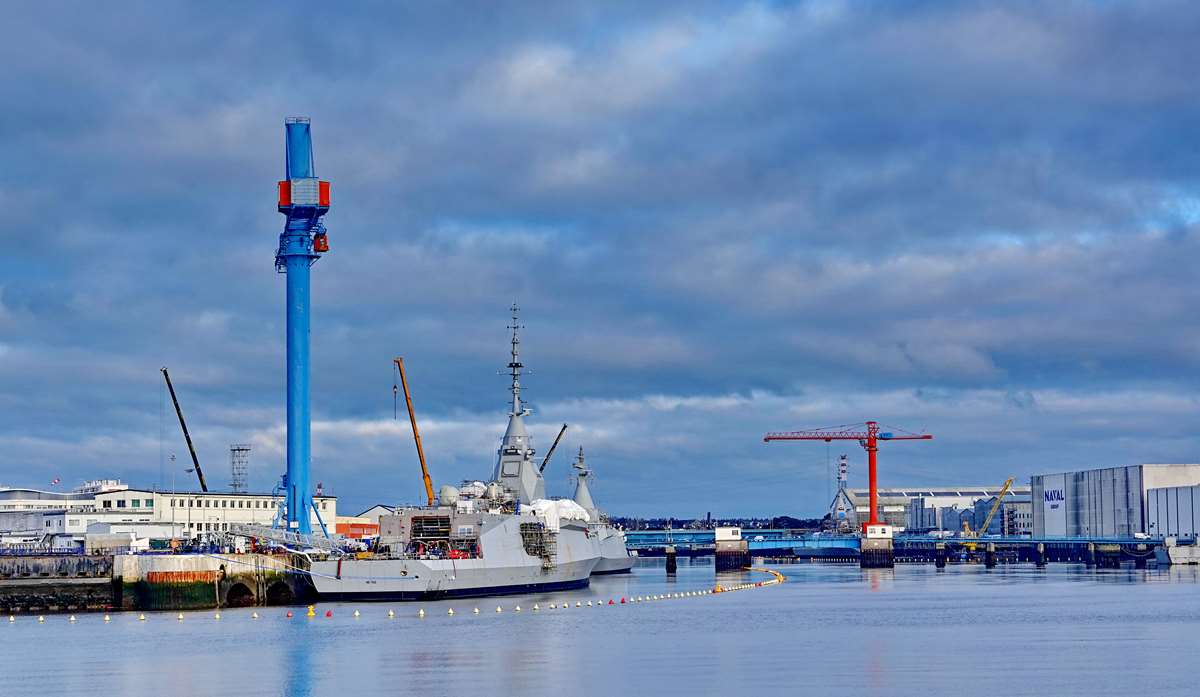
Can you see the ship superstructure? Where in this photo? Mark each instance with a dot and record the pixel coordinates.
(516, 470)
(608, 538)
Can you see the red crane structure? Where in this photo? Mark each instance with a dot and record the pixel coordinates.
(868, 439)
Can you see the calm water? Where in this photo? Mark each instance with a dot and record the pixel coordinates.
(828, 630)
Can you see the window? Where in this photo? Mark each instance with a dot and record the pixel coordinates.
(224, 503)
(190, 502)
(121, 503)
(240, 505)
(172, 503)
(149, 503)
(137, 503)
(106, 504)
(207, 503)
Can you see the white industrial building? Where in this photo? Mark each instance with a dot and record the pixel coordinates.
(31, 515)
(1173, 511)
(1108, 502)
(922, 509)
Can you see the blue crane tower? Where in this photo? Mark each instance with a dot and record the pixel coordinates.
(304, 199)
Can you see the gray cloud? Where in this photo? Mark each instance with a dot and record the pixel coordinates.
(971, 218)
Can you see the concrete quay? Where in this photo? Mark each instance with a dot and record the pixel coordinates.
(74, 583)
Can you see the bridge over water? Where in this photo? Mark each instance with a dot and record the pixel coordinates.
(912, 548)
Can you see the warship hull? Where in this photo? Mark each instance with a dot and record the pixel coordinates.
(614, 556)
(505, 566)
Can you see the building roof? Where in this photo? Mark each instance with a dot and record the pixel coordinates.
(941, 491)
(181, 492)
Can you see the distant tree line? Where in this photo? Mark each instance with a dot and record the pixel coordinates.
(782, 522)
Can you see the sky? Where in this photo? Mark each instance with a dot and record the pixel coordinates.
(978, 220)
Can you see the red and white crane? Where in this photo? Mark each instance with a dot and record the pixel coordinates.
(868, 439)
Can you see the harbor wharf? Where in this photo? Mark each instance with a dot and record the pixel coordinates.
(787, 545)
(81, 582)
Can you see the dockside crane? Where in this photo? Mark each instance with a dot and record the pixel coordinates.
(987, 522)
(868, 438)
(183, 426)
(304, 199)
(412, 419)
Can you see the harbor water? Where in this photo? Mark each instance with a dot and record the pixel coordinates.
(830, 629)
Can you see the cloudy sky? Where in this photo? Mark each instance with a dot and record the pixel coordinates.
(720, 219)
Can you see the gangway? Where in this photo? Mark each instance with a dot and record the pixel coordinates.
(285, 538)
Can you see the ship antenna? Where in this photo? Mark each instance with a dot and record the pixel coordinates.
(514, 367)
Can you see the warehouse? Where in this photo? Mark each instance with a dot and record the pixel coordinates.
(917, 509)
(1172, 511)
(1108, 502)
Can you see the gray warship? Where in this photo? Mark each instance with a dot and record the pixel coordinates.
(502, 537)
(609, 539)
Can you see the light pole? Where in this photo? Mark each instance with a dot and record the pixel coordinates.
(189, 471)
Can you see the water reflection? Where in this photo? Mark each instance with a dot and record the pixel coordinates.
(831, 629)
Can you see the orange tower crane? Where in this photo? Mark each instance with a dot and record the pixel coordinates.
(868, 439)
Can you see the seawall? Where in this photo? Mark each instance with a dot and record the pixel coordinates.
(150, 582)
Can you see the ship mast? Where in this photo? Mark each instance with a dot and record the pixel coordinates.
(515, 366)
(515, 469)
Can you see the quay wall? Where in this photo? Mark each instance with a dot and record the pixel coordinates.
(55, 583)
(195, 581)
(63, 583)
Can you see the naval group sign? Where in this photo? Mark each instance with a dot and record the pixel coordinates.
(1054, 504)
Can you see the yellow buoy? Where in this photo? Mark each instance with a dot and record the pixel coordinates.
(71, 618)
(254, 615)
(41, 619)
(476, 611)
(216, 615)
(517, 608)
(578, 604)
(391, 614)
(356, 613)
(421, 612)
(12, 618)
(141, 618)
(499, 609)
(107, 618)
(179, 617)
(535, 607)
(450, 611)
(311, 611)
